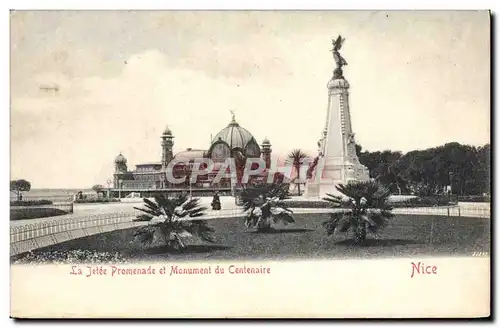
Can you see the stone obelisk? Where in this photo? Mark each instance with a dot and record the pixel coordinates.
(337, 160)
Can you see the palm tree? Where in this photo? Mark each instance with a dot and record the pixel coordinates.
(364, 208)
(264, 205)
(171, 218)
(297, 156)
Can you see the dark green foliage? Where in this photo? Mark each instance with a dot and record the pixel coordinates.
(427, 172)
(264, 204)
(34, 212)
(297, 156)
(364, 208)
(98, 188)
(426, 201)
(18, 186)
(97, 200)
(31, 202)
(174, 222)
(474, 199)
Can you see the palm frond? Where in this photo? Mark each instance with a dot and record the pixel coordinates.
(173, 228)
(369, 208)
(148, 211)
(190, 204)
(352, 190)
(346, 222)
(251, 220)
(336, 201)
(198, 211)
(332, 224)
(143, 218)
(283, 206)
(367, 218)
(297, 154)
(179, 213)
(285, 217)
(378, 219)
(259, 202)
(201, 229)
(150, 204)
(145, 235)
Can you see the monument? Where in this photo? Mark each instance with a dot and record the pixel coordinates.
(337, 161)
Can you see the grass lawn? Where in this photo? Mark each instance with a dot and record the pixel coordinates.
(406, 235)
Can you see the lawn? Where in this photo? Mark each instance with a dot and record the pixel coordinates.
(406, 235)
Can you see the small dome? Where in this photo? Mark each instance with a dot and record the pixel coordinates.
(266, 141)
(120, 159)
(167, 131)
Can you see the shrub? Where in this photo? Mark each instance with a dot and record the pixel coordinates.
(364, 209)
(474, 199)
(174, 218)
(306, 204)
(33, 212)
(97, 200)
(31, 202)
(264, 205)
(75, 256)
(426, 201)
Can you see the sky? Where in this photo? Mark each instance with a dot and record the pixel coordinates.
(418, 80)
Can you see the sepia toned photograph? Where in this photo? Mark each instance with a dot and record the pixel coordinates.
(271, 156)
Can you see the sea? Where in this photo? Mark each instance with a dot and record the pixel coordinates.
(56, 195)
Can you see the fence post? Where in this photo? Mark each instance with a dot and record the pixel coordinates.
(432, 230)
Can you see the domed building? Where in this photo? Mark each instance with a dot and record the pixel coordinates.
(121, 163)
(233, 141)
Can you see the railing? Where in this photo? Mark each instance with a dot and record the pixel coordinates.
(32, 236)
(41, 229)
(451, 211)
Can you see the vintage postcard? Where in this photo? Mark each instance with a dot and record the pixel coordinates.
(250, 164)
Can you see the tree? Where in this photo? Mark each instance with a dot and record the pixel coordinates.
(98, 188)
(18, 186)
(428, 171)
(172, 219)
(263, 205)
(364, 208)
(297, 156)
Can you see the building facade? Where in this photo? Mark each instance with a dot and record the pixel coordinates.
(233, 141)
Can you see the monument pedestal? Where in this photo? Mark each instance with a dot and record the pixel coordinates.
(330, 172)
(337, 159)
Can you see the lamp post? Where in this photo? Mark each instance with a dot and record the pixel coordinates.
(450, 175)
(108, 182)
(120, 181)
(190, 188)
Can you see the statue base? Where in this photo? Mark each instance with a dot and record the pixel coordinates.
(331, 172)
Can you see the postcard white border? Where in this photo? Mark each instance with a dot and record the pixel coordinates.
(147, 4)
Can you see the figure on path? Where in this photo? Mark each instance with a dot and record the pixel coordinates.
(216, 202)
